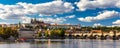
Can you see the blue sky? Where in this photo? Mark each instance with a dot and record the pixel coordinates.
(84, 12)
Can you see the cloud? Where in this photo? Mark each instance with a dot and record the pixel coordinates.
(4, 23)
(117, 22)
(20, 10)
(26, 19)
(50, 8)
(56, 19)
(97, 24)
(87, 4)
(10, 12)
(52, 20)
(101, 16)
(71, 16)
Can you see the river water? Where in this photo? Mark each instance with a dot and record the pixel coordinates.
(63, 43)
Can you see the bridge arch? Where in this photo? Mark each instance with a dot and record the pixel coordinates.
(96, 36)
(108, 37)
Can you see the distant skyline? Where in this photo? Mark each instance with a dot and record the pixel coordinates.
(84, 12)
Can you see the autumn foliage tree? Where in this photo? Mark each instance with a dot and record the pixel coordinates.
(7, 32)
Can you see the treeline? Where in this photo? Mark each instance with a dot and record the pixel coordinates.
(7, 32)
(53, 33)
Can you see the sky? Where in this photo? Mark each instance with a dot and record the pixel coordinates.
(84, 12)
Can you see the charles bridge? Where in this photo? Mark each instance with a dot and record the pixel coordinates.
(95, 34)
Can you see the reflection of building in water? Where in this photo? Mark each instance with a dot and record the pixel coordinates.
(49, 43)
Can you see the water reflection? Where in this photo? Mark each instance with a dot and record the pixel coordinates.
(63, 43)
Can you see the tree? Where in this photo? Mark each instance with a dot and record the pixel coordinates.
(57, 33)
(47, 33)
(62, 33)
(14, 33)
(7, 32)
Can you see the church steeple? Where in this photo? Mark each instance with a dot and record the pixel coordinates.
(19, 25)
(33, 20)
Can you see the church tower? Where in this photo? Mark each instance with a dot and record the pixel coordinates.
(33, 21)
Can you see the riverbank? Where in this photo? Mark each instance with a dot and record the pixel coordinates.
(67, 37)
(84, 37)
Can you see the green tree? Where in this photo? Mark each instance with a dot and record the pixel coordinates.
(47, 33)
(14, 33)
(7, 32)
(39, 34)
(62, 33)
(58, 33)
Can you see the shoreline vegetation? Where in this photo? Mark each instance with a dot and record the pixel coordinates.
(9, 32)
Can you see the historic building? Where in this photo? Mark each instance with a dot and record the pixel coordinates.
(64, 26)
(26, 33)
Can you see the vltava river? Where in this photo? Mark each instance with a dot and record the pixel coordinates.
(63, 43)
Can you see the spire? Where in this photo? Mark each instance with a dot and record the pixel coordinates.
(35, 18)
(19, 25)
